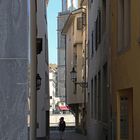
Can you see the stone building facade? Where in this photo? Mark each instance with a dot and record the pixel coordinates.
(14, 49)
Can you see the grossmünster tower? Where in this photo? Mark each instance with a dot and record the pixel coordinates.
(69, 5)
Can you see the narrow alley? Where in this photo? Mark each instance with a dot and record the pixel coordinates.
(69, 135)
(69, 65)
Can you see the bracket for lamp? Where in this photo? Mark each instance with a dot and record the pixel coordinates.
(74, 79)
(82, 84)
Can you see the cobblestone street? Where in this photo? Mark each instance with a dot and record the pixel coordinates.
(69, 135)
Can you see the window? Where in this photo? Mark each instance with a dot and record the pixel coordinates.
(92, 43)
(123, 24)
(99, 27)
(90, 3)
(73, 28)
(96, 34)
(98, 30)
(104, 95)
(39, 45)
(99, 95)
(45, 11)
(36, 5)
(103, 16)
(91, 98)
(46, 49)
(46, 83)
(95, 97)
(75, 56)
(79, 23)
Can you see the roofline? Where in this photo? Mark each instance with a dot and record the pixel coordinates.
(70, 19)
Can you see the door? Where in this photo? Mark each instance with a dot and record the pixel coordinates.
(125, 114)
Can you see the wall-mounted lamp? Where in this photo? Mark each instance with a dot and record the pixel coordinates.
(38, 82)
(74, 79)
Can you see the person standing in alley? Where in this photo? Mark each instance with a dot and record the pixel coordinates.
(62, 126)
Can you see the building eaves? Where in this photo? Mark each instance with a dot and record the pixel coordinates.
(70, 20)
(63, 13)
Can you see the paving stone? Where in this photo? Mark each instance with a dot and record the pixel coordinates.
(69, 135)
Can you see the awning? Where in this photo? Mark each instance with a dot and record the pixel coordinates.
(64, 108)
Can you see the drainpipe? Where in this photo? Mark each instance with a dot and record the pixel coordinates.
(32, 69)
(85, 89)
(65, 71)
(85, 75)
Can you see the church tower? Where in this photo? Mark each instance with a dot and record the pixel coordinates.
(69, 5)
(64, 5)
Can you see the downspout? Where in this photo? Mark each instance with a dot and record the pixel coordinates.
(85, 74)
(65, 72)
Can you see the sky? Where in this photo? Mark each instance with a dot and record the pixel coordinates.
(53, 8)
